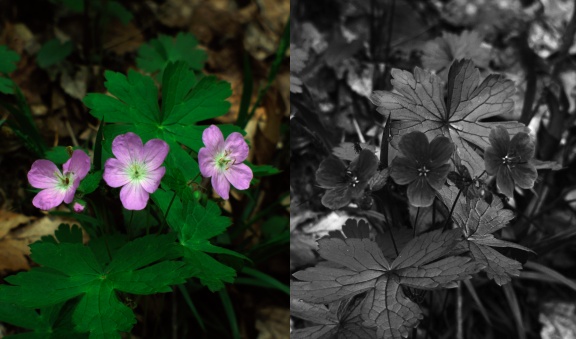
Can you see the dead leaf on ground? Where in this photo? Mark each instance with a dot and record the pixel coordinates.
(17, 232)
(272, 322)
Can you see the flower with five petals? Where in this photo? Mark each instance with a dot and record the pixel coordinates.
(137, 168)
(58, 186)
(423, 168)
(509, 160)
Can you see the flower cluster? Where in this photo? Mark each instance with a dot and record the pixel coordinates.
(137, 168)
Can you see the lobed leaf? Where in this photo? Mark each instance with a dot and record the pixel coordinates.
(419, 105)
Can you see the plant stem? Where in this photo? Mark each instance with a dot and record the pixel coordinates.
(451, 210)
(415, 227)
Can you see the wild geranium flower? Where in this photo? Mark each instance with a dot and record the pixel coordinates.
(57, 186)
(222, 160)
(344, 183)
(138, 168)
(509, 160)
(423, 168)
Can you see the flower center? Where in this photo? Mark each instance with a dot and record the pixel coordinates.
(423, 171)
(224, 160)
(65, 181)
(352, 179)
(137, 172)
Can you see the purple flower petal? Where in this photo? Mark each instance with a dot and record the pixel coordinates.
(115, 173)
(127, 148)
(414, 146)
(213, 139)
(403, 170)
(440, 151)
(437, 176)
(152, 180)
(505, 182)
(154, 153)
(48, 198)
(43, 174)
(78, 207)
(524, 175)
(79, 164)
(69, 195)
(522, 146)
(134, 197)
(206, 162)
(420, 193)
(239, 176)
(500, 140)
(331, 173)
(221, 185)
(238, 147)
(336, 198)
(365, 165)
(492, 161)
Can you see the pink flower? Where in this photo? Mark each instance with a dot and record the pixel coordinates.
(136, 168)
(222, 160)
(78, 207)
(57, 187)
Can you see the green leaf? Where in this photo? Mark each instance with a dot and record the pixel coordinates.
(387, 307)
(91, 182)
(439, 53)
(59, 154)
(339, 320)
(8, 60)
(70, 270)
(50, 323)
(263, 170)
(184, 103)
(137, 99)
(53, 52)
(195, 225)
(118, 10)
(358, 265)
(419, 104)
(158, 53)
(479, 220)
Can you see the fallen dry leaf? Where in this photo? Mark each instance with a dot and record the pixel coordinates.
(272, 322)
(17, 232)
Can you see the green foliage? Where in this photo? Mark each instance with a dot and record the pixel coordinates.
(52, 322)
(195, 225)
(91, 182)
(185, 102)
(357, 265)
(53, 52)
(155, 55)
(109, 8)
(421, 106)
(93, 275)
(8, 60)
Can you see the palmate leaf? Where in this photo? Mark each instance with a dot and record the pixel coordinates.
(71, 270)
(155, 55)
(341, 320)
(419, 105)
(358, 265)
(185, 102)
(479, 220)
(195, 225)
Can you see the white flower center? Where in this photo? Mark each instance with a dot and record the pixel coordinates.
(137, 172)
(65, 181)
(224, 160)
